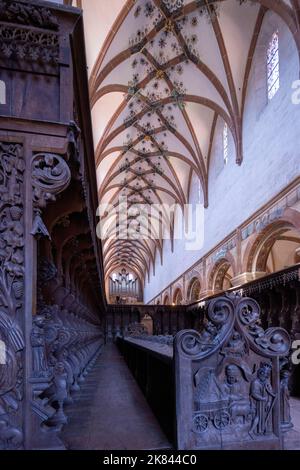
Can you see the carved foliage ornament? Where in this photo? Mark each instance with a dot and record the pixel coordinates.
(22, 13)
(50, 176)
(173, 5)
(11, 289)
(275, 341)
(245, 313)
(218, 322)
(23, 44)
(239, 387)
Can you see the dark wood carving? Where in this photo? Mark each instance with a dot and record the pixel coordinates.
(64, 346)
(21, 44)
(27, 14)
(51, 296)
(50, 176)
(229, 393)
(11, 293)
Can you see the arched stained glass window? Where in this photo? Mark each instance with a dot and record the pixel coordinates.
(273, 66)
(225, 143)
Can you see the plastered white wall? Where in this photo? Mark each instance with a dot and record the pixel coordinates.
(271, 160)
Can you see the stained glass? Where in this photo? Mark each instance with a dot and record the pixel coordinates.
(273, 66)
(225, 143)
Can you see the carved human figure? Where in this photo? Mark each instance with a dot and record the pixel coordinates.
(234, 391)
(285, 410)
(57, 394)
(263, 399)
(73, 134)
(249, 315)
(232, 387)
(38, 344)
(236, 346)
(209, 333)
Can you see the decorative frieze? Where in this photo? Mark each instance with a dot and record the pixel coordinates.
(275, 212)
(21, 12)
(28, 34)
(271, 214)
(24, 44)
(262, 222)
(277, 279)
(222, 252)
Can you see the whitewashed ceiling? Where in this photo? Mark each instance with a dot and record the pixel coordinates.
(161, 73)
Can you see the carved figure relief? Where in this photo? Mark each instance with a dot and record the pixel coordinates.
(263, 398)
(57, 395)
(286, 420)
(233, 363)
(38, 343)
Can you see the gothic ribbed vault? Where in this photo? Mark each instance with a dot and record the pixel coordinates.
(165, 73)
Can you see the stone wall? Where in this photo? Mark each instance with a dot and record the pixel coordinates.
(270, 164)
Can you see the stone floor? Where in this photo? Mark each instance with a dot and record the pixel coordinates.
(110, 412)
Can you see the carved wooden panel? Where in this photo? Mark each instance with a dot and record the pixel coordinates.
(228, 387)
(11, 292)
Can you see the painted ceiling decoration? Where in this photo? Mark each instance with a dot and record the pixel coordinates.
(165, 73)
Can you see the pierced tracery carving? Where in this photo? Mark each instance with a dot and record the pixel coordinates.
(28, 44)
(23, 44)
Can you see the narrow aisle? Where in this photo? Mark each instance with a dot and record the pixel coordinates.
(110, 412)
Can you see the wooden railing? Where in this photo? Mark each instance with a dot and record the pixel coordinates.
(283, 287)
(152, 366)
(167, 319)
